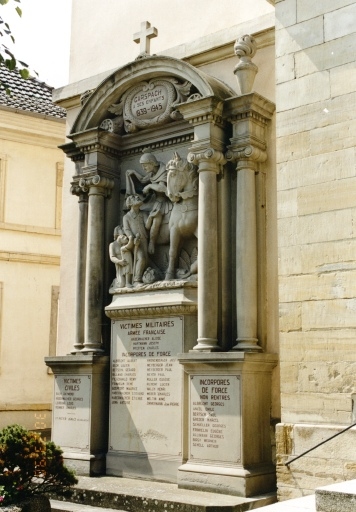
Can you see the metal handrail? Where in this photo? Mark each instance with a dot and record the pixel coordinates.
(319, 444)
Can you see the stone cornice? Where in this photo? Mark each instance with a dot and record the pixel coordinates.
(96, 139)
(72, 152)
(203, 110)
(155, 311)
(81, 363)
(250, 105)
(24, 257)
(167, 142)
(177, 132)
(263, 38)
(24, 136)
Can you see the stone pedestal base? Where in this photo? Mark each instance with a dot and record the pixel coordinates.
(236, 481)
(143, 465)
(86, 464)
(80, 411)
(227, 423)
(149, 329)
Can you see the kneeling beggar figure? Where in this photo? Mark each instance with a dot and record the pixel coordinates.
(160, 229)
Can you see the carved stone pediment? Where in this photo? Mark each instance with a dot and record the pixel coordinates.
(148, 104)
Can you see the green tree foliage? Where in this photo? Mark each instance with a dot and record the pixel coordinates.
(7, 57)
(29, 466)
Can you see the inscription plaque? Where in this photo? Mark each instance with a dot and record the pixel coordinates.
(146, 386)
(214, 416)
(71, 410)
(149, 102)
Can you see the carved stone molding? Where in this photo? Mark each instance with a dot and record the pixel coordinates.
(114, 125)
(85, 96)
(171, 141)
(158, 285)
(99, 146)
(179, 309)
(250, 114)
(97, 185)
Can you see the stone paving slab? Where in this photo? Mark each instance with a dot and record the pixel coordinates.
(133, 495)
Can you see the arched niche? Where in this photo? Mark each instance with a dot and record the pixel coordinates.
(109, 92)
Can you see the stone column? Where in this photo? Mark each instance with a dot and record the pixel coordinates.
(205, 114)
(246, 252)
(99, 188)
(81, 265)
(208, 163)
(248, 115)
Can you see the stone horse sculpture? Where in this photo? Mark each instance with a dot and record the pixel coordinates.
(182, 190)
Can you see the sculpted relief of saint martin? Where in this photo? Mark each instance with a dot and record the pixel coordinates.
(158, 237)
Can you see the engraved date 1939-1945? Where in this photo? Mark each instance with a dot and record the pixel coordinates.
(153, 108)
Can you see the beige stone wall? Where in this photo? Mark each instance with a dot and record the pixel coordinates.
(104, 40)
(31, 175)
(316, 182)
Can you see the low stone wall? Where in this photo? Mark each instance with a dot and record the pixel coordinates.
(328, 464)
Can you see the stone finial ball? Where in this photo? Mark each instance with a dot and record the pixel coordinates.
(245, 46)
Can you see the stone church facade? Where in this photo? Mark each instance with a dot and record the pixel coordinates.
(293, 296)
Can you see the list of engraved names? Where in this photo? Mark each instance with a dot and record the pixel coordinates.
(214, 415)
(71, 409)
(145, 374)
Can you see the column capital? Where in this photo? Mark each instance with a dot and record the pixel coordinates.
(246, 157)
(77, 190)
(208, 159)
(97, 185)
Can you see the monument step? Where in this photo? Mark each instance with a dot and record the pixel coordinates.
(130, 495)
(67, 506)
(339, 497)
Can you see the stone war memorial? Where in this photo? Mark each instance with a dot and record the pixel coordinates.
(169, 378)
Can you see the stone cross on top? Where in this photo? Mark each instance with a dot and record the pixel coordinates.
(143, 37)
